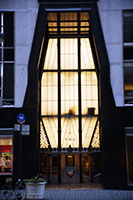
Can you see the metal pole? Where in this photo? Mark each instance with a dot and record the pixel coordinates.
(20, 153)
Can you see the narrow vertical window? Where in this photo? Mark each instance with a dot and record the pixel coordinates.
(7, 58)
(128, 56)
(5, 155)
(129, 154)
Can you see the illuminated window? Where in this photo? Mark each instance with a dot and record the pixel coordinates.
(69, 85)
(128, 56)
(5, 155)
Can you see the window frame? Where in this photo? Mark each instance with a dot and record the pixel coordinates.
(8, 134)
(58, 70)
(5, 101)
(127, 135)
(125, 61)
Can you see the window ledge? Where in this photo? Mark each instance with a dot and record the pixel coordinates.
(7, 106)
(128, 104)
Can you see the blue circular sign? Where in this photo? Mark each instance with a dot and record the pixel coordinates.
(21, 118)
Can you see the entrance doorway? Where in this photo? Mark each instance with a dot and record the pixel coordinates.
(70, 118)
(70, 167)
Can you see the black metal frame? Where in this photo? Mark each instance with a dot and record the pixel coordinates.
(79, 70)
(111, 118)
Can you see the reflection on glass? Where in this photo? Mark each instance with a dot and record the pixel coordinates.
(87, 61)
(130, 158)
(5, 155)
(88, 124)
(70, 161)
(49, 92)
(69, 93)
(69, 132)
(85, 162)
(69, 54)
(51, 126)
(89, 92)
(51, 55)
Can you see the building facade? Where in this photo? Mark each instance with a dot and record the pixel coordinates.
(66, 91)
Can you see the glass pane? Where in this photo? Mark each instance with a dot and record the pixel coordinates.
(128, 26)
(52, 16)
(128, 79)
(84, 16)
(49, 94)
(69, 132)
(43, 137)
(8, 54)
(84, 23)
(68, 16)
(89, 92)
(69, 93)
(51, 55)
(128, 53)
(85, 162)
(130, 158)
(0, 54)
(51, 127)
(96, 139)
(5, 155)
(68, 27)
(8, 81)
(87, 61)
(88, 125)
(55, 160)
(69, 54)
(70, 161)
(52, 27)
(8, 29)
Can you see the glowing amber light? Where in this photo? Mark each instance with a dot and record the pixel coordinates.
(69, 90)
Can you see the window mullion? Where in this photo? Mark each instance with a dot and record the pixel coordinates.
(2, 53)
(79, 87)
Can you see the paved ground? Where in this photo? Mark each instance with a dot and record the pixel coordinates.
(79, 186)
(82, 192)
(91, 194)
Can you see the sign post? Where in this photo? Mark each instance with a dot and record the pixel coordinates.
(21, 118)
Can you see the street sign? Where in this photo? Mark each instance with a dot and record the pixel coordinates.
(21, 118)
(25, 129)
(16, 127)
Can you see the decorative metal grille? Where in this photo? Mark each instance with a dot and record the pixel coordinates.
(96, 138)
(68, 23)
(43, 138)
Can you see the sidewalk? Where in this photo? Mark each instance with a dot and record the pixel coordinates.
(84, 192)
